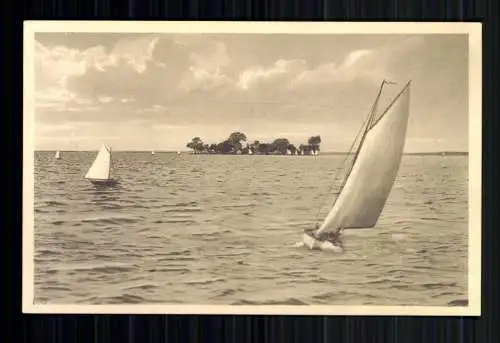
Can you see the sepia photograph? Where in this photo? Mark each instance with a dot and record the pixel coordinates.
(252, 168)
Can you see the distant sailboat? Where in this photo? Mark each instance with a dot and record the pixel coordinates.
(152, 152)
(371, 176)
(99, 172)
(178, 152)
(58, 155)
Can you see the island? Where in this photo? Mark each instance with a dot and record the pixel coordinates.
(237, 144)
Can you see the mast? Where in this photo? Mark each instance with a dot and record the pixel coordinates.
(110, 161)
(367, 127)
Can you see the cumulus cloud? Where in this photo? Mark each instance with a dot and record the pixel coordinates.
(59, 69)
(280, 71)
(349, 70)
(105, 99)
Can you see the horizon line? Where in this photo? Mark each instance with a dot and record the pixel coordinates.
(189, 151)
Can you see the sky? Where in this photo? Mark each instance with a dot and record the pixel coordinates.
(157, 91)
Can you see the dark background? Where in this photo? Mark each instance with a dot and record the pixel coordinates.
(19, 328)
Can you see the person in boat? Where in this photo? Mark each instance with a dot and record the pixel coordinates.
(332, 237)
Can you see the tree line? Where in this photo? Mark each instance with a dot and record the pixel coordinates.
(237, 144)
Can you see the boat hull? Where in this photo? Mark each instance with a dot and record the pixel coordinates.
(314, 244)
(103, 183)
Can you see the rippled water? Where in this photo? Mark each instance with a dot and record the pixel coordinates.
(221, 230)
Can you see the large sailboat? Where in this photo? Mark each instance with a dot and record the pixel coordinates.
(99, 172)
(371, 174)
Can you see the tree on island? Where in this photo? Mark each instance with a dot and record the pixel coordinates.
(235, 140)
(292, 149)
(196, 144)
(314, 142)
(254, 147)
(237, 137)
(280, 145)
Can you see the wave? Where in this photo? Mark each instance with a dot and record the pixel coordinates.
(119, 299)
(205, 281)
(113, 220)
(288, 301)
(108, 268)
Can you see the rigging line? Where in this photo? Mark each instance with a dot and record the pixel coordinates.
(367, 128)
(340, 166)
(364, 129)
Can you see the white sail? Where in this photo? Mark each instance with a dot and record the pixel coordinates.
(152, 152)
(58, 155)
(372, 176)
(101, 168)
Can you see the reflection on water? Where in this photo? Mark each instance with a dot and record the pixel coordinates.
(222, 230)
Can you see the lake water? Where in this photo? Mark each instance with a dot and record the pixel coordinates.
(221, 230)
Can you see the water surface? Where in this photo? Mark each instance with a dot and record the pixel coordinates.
(221, 230)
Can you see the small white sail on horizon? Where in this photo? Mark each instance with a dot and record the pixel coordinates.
(58, 155)
(371, 177)
(152, 152)
(100, 170)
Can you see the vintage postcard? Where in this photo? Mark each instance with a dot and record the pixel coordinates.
(252, 168)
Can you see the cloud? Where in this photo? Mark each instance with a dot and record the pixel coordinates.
(59, 68)
(154, 70)
(153, 109)
(228, 81)
(136, 52)
(212, 57)
(349, 70)
(79, 138)
(105, 99)
(127, 100)
(200, 79)
(57, 127)
(280, 71)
